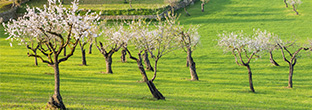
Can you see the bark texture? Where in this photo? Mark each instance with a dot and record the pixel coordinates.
(250, 79)
(192, 66)
(56, 101)
(109, 61)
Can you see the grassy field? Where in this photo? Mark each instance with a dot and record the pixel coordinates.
(222, 85)
(5, 5)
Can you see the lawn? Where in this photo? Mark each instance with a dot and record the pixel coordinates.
(5, 6)
(222, 84)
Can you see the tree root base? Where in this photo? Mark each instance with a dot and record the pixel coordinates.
(56, 103)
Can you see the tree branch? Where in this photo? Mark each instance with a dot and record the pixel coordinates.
(233, 52)
(44, 61)
(283, 54)
(71, 53)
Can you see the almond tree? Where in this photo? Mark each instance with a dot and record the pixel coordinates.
(110, 41)
(294, 4)
(52, 28)
(292, 60)
(188, 41)
(143, 40)
(251, 46)
(165, 39)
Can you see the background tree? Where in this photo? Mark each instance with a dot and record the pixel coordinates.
(294, 4)
(53, 28)
(292, 60)
(240, 43)
(188, 41)
(111, 40)
(203, 4)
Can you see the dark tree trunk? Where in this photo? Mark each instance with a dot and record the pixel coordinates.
(64, 51)
(272, 59)
(154, 90)
(250, 78)
(90, 48)
(123, 55)
(83, 56)
(192, 66)
(291, 71)
(203, 7)
(294, 8)
(147, 62)
(286, 3)
(55, 101)
(150, 84)
(109, 61)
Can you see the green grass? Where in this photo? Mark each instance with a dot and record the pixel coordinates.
(222, 85)
(5, 6)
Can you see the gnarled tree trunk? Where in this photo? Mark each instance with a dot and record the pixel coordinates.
(56, 101)
(150, 84)
(147, 62)
(192, 66)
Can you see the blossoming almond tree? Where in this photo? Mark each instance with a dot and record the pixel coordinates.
(110, 41)
(52, 28)
(239, 43)
(143, 40)
(188, 41)
(165, 39)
